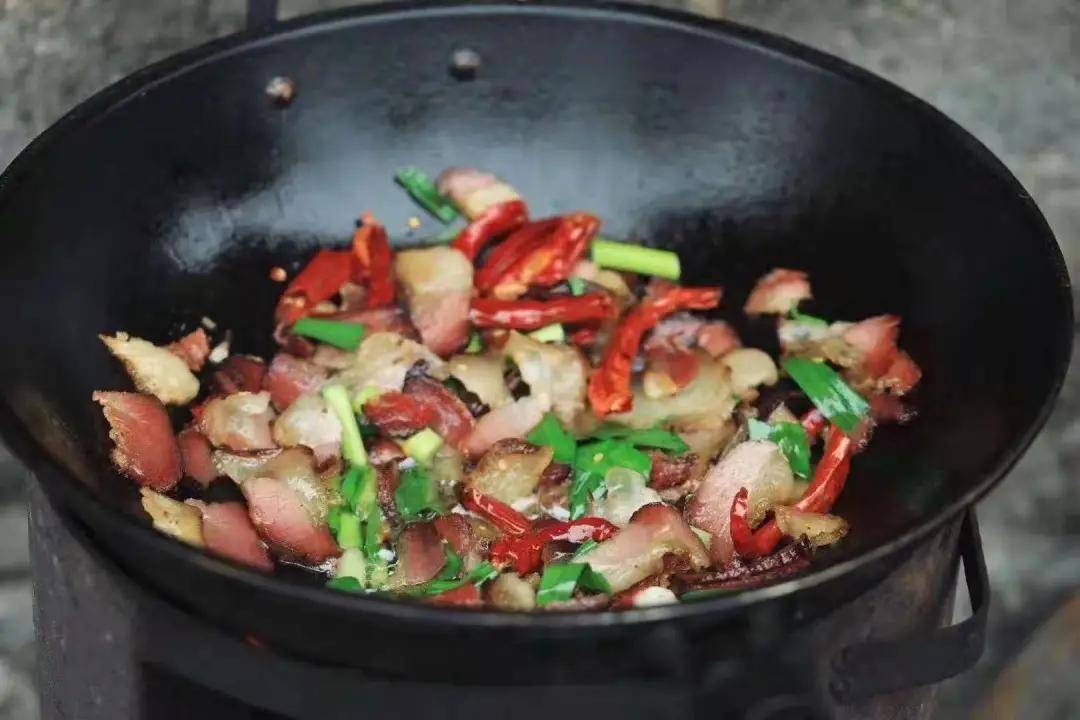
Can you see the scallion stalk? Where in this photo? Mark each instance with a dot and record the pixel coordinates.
(344, 335)
(348, 534)
(426, 195)
(422, 446)
(553, 333)
(352, 445)
(636, 258)
(828, 391)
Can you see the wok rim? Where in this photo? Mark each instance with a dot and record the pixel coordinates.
(78, 499)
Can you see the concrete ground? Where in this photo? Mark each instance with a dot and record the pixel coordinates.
(1008, 70)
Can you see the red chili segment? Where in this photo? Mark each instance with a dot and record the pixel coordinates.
(500, 514)
(523, 552)
(497, 220)
(829, 479)
(320, 280)
(371, 248)
(609, 386)
(533, 314)
(521, 242)
(549, 260)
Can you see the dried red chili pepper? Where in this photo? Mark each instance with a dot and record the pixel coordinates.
(546, 262)
(371, 249)
(585, 336)
(500, 514)
(320, 280)
(830, 475)
(497, 220)
(523, 552)
(520, 243)
(533, 314)
(398, 414)
(609, 386)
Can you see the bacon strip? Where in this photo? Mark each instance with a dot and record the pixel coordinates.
(145, 447)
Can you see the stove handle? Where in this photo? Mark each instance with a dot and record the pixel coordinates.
(882, 666)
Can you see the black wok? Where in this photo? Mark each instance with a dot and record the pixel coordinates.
(168, 196)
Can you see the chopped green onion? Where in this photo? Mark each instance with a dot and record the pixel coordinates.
(805, 319)
(351, 564)
(373, 534)
(477, 576)
(347, 583)
(333, 518)
(344, 335)
(482, 573)
(559, 581)
(423, 191)
(827, 390)
(352, 445)
(416, 495)
(592, 580)
(553, 333)
(577, 286)
(550, 432)
(758, 430)
(475, 344)
(592, 463)
(452, 567)
(791, 437)
(584, 548)
(422, 446)
(350, 486)
(367, 393)
(652, 437)
(348, 534)
(365, 499)
(636, 258)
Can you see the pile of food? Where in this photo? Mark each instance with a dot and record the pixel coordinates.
(517, 414)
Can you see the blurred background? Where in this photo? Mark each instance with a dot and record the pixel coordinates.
(1007, 70)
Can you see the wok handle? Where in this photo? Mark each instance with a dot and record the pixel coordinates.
(261, 12)
(882, 666)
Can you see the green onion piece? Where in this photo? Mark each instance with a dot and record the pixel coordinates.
(348, 535)
(791, 437)
(368, 392)
(373, 534)
(635, 258)
(553, 333)
(452, 567)
(365, 500)
(827, 390)
(333, 518)
(475, 344)
(592, 463)
(350, 486)
(594, 581)
(346, 583)
(584, 547)
(577, 286)
(558, 582)
(423, 191)
(352, 445)
(805, 319)
(422, 446)
(482, 573)
(344, 335)
(758, 430)
(416, 495)
(550, 432)
(651, 437)
(351, 564)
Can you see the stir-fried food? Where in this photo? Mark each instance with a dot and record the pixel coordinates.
(518, 414)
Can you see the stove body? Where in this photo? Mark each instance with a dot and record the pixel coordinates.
(110, 650)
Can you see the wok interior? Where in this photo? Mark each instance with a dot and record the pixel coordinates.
(174, 204)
